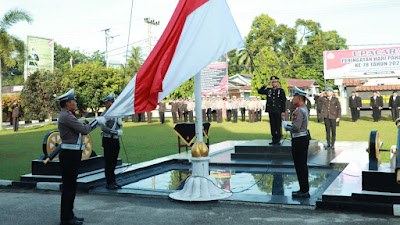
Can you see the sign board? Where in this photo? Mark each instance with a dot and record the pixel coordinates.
(214, 78)
(362, 63)
(40, 54)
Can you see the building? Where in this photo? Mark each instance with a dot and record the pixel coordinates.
(310, 86)
(366, 87)
(239, 85)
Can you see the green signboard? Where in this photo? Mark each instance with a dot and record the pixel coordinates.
(40, 54)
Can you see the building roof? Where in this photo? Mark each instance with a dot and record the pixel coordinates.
(235, 82)
(300, 83)
(240, 80)
(245, 88)
(378, 88)
(353, 82)
(248, 75)
(240, 88)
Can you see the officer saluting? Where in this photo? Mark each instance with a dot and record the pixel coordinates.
(111, 131)
(71, 131)
(276, 107)
(300, 141)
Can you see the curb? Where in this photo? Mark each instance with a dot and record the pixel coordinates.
(396, 209)
(53, 186)
(5, 183)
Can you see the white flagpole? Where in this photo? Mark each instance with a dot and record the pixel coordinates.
(198, 108)
(200, 186)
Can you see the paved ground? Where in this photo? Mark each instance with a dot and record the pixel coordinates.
(31, 207)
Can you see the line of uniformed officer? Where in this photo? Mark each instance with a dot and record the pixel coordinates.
(331, 113)
(300, 142)
(71, 131)
(276, 107)
(111, 131)
(355, 106)
(394, 105)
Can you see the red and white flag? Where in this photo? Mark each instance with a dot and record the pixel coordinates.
(198, 33)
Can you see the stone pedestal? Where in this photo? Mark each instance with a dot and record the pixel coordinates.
(200, 186)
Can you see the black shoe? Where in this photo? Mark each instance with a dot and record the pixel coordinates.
(72, 221)
(79, 218)
(328, 147)
(111, 187)
(271, 143)
(300, 194)
(332, 147)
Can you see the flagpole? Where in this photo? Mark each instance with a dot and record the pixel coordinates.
(200, 186)
(198, 108)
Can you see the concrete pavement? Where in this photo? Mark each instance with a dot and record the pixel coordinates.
(31, 207)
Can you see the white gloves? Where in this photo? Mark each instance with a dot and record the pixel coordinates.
(101, 120)
(287, 126)
(117, 132)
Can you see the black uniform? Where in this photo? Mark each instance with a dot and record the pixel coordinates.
(276, 105)
(394, 103)
(111, 146)
(353, 104)
(70, 158)
(376, 102)
(359, 102)
(318, 107)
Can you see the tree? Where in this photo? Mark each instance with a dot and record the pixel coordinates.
(98, 56)
(267, 59)
(7, 43)
(38, 94)
(64, 57)
(92, 82)
(135, 61)
(244, 60)
(184, 91)
(290, 52)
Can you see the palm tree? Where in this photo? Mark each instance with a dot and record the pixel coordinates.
(7, 46)
(244, 59)
(136, 55)
(135, 60)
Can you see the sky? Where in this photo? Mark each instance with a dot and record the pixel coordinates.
(79, 25)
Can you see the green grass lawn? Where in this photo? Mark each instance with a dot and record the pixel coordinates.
(145, 142)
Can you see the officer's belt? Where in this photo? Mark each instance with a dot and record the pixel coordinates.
(108, 135)
(72, 147)
(300, 134)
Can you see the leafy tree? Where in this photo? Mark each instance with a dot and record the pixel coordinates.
(64, 55)
(184, 91)
(92, 82)
(291, 52)
(38, 94)
(233, 67)
(97, 56)
(7, 43)
(267, 59)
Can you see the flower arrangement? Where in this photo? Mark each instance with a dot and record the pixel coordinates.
(8, 101)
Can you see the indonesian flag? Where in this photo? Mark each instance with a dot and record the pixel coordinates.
(198, 33)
